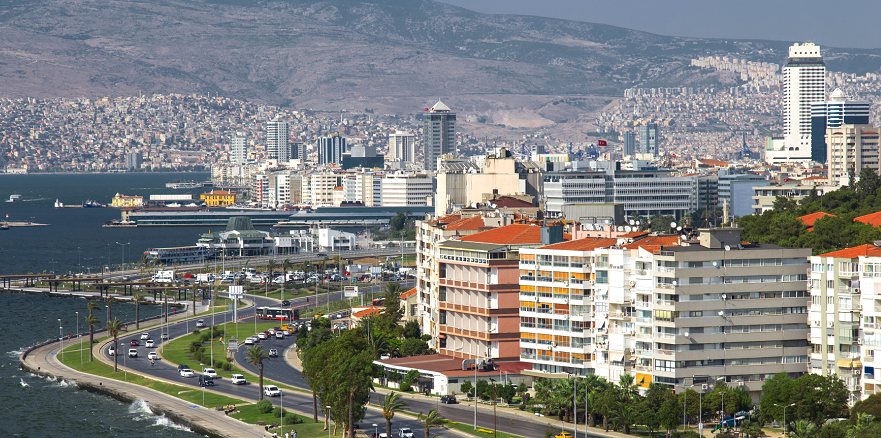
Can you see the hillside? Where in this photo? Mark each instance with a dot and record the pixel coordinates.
(392, 55)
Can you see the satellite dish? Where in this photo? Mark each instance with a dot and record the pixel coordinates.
(494, 206)
(721, 313)
(672, 224)
(679, 228)
(724, 296)
(686, 334)
(632, 222)
(627, 228)
(715, 264)
(683, 237)
(727, 248)
(675, 283)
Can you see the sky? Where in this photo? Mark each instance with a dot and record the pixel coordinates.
(833, 23)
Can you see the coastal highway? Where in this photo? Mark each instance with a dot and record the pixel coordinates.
(281, 371)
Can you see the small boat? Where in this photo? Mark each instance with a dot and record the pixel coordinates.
(58, 204)
(91, 204)
(14, 198)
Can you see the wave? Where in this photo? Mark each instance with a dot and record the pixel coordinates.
(163, 421)
(66, 383)
(17, 353)
(23, 383)
(32, 200)
(144, 413)
(141, 407)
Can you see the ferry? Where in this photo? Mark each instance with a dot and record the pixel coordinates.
(14, 198)
(180, 254)
(188, 185)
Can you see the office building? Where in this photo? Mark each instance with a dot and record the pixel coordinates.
(363, 156)
(438, 134)
(238, 152)
(738, 191)
(833, 113)
(277, 147)
(407, 190)
(648, 139)
(804, 83)
(133, 160)
(851, 148)
(667, 311)
(331, 149)
(402, 148)
(629, 143)
(464, 182)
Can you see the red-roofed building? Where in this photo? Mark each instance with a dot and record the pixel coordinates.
(442, 374)
(809, 219)
(873, 219)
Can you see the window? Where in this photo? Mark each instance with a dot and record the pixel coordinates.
(602, 277)
(442, 294)
(830, 284)
(442, 317)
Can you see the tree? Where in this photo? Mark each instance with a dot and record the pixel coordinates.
(818, 398)
(608, 406)
(92, 306)
(775, 391)
(467, 388)
(669, 415)
(626, 415)
(113, 327)
(110, 301)
(397, 222)
(92, 321)
(804, 429)
(411, 330)
(649, 418)
(270, 266)
(870, 406)
(285, 267)
(193, 292)
(627, 388)
(140, 297)
(431, 420)
(391, 404)
(413, 347)
(255, 356)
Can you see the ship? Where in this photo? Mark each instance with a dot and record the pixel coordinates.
(91, 204)
(14, 198)
(59, 204)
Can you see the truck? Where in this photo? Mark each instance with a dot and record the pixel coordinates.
(205, 278)
(164, 277)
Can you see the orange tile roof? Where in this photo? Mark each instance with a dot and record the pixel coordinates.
(713, 162)
(653, 241)
(367, 312)
(634, 234)
(471, 223)
(448, 219)
(873, 219)
(408, 293)
(809, 219)
(852, 253)
(567, 236)
(586, 244)
(514, 234)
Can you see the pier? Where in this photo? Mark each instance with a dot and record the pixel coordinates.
(24, 224)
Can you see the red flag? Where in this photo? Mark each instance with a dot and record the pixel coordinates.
(426, 109)
(601, 142)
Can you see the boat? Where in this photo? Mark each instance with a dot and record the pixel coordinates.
(91, 204)
(59, 204)
(4, 226)
(14, 198)
(183, 185)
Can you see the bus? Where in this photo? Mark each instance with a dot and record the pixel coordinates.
(275, 313)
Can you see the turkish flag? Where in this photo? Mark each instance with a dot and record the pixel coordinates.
(601, 143)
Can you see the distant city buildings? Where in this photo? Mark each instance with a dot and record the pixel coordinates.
(438, 134)
(833, 113)
(629, 143)
(331, 150)
(277, 147)
(648, 139)
(133, 160)
(402, 148)
(852, 148)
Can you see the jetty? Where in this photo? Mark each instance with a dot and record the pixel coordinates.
(24, 224)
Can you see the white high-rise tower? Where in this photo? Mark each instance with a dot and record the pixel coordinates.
(804, 83)
(277, 147)
(239, 150)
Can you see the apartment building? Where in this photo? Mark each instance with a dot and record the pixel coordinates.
(669, 310)
(851, 148)
(405, 190)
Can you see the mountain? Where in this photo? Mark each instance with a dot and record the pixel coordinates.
(394, 55)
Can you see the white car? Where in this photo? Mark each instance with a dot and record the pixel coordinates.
(149, 343)
(132, 352)
(249, 341)
(145, 335)
(261, 335)
(200, 323)
(271, 332)
(238, 379)
(405, 432)
(186, 372)
(286, 332)
(271, 391)
(153, 356)
(111, 351)
(164, 336)
(279, 335)
(209, 372)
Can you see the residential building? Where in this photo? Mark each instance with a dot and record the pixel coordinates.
(133, 160)
(765, 196)
(804, 83)
(438, 134)
(737, 190)
(833, 113)
(464, 182)
(852, 148)
(331, 149)
(277, 147)
(238, 153)
(403, 190)
(629, 143)
(648, 139)
(219, 198)
(317, 187)
(402, 148)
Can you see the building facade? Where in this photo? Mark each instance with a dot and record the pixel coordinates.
(648, 139)
(331, 150)
(277, 147)
(833, 113)
(629, 143)
(238, 151)
(402, 148)
(219, 198)
(851, 148)
(438, 134)
(804, 83)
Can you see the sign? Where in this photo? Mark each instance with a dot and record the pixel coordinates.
(350, 291)
(236, 292)
(232, 345)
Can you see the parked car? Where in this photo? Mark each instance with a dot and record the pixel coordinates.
(186, 372)
(209, 372)
(271, 391)
(206, 381)
(133, 352)
(238, 379)
(149, 343)
(449, 399)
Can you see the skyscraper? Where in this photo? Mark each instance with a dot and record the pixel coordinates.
(648, 139)
(804, 83)
(331, 149)
(402, 147)
(833, 113)
(438, 134)
(277, 147)
(629, 143)
(238, 152)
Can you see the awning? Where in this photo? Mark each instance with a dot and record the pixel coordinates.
(846, 363)
(441, 336)
(616, 357)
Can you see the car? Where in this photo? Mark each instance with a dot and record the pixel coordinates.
(279, 335)
(153, 356)
(200, 323)
(206, 381)
(238, 379)
(273, 352)
(135, 343)
(186, 372)
(111, 351)
(261, 335)
(563, 435)
(209, 372)
(149, 343)
(286, 332)
(133, 352)
(449, 399)
(164, 336)
(145, 335)
(270, 332)
(285, 303)
(271, 391)
(183, 367)
(249, 341)
(405, 432)
(226, 280)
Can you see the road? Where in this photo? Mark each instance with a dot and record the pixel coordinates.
(281, 371)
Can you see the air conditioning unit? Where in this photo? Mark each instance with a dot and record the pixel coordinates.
(633, 301)
(830, 323)
(815, 323)
(591, 282)
(856, 372)
(859, 341)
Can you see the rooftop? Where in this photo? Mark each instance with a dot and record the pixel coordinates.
(873, 219)
(867, 250)
(514, 234)
(452, 366)
(653, 241)
(809, 219)
(586, 244)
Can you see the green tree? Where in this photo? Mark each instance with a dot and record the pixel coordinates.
(413, 347)
(397, 222)
(411, 330)
(352, 377)
(467, 388)
(92, 306)
(804, 429)
(270, 266)
(113, 327)
(431, 420)
(649, 418)
(140, 297)
(255, 356)
(110, 301)
(92, 321)
(776, 392)
(391, 404)
(818, 398)
(870, 406)
(670, 415)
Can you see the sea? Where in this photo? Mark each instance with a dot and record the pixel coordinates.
(74, 241)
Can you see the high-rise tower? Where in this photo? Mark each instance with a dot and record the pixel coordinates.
(648, 139)
(804, 83)
(833, 113)
(629, 143)
(277, 147)
(238, 153)
(402, 147)
(331, 149)
(438, 134)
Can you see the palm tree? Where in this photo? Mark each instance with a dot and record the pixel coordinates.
(627, 388)
(139, 298)
(391, 404)
(432, 419)
(626, 415)
(113, 328)
(285, 267)
(270, 266)
(92, 321)
(804, 429)
(195, 289)
(92, 306)
(110, 302)
(165, 305)
(255, 356)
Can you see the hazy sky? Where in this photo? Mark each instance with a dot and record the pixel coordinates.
(836, 23)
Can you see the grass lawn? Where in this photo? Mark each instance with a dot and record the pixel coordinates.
(98, 368)
(307, 429)
(486, 431)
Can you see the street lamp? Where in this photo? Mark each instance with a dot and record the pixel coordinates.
(328, 421)
(784, 415)
(61, 336)
(79, 336)
(375, 430)
(122, 265)
(281, 404)
(495, 423)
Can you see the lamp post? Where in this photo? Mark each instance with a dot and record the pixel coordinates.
(575, 407)
(495, 423)
(122, 265)
(784, 415)
(328, 421)
(61, 337)
(375, 430)
(281, 404)
(475, 394)
(79, 336)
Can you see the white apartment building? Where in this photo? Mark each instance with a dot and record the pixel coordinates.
(405, 190)
(277, 147)
(851, 148)
(671, 311)
(317, 187)
(358, 186)
(402, 148)
(804, 83)
(239, 149)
